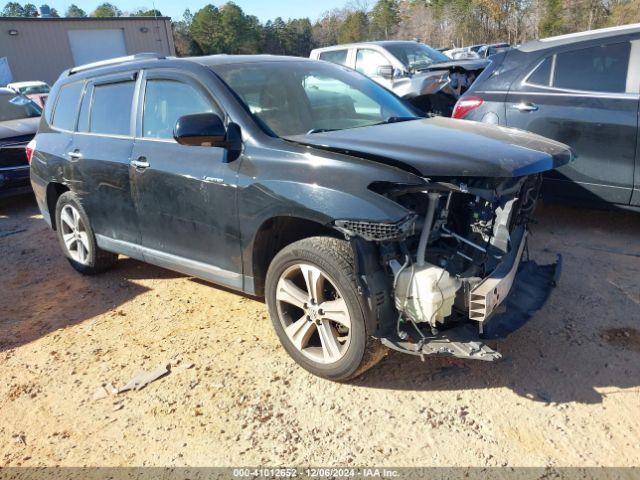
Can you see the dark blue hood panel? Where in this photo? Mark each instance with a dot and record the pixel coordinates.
(445, 147)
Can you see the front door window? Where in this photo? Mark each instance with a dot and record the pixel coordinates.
(165, 102)
(368, 61)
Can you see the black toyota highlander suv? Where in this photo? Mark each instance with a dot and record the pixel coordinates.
(363, 225)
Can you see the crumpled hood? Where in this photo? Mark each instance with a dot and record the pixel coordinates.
(439, 146)
(18, 128)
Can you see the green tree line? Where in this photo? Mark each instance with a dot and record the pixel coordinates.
(441, 23)
(15, 9)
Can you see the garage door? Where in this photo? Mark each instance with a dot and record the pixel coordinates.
(94, 45)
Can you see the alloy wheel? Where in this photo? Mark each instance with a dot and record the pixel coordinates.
(313, 313)
(74, 234)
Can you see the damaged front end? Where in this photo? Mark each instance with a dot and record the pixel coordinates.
(437, 88)
(454, 266)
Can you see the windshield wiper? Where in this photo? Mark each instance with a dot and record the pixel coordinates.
(321, 130)
(384, 122)
(396, 120)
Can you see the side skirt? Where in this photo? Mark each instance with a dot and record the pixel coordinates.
(183, 265)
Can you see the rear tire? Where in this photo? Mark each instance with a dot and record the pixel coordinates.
(77, 239)
(323, 331)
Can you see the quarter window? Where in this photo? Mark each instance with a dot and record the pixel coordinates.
(541, 75)
(599, 69)
(335, 56)
(165, 101)
(368, 61)
(64, 116)
(111, 109)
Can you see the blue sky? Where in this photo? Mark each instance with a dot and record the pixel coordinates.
(263, 9)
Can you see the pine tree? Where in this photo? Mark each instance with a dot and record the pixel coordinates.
(75, 12)
(551, 23)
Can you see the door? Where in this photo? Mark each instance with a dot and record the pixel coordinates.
(185, 195)
(368, 61)
(101, 152)
(582, 97)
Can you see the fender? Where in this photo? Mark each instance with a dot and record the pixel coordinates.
(320, 187)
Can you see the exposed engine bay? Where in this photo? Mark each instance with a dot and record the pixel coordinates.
(453, 262)
(436, 89)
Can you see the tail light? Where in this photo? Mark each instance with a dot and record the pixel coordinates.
(465, 105)
(31, 146)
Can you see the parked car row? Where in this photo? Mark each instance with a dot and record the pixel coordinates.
(473, 52)
(555, 87)
(580, 89)
(363, 222)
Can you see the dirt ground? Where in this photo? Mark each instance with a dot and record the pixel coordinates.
(566, 394)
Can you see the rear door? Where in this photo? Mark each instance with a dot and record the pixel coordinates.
(583, 96)
(100, 155)
(185, 195)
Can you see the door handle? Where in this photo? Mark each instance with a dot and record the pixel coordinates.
(75, 154)
(526, 107)
(140, 163)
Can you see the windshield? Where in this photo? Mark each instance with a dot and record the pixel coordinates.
(14, 107)
(296, 98)
(416, 55)
(34, 89)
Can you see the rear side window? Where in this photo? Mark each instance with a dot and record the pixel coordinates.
(335, 56)
(111, 108)
(542, 74)
(64, 116)
(599, 69)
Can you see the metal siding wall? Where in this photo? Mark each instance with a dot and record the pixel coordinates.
(41, 49)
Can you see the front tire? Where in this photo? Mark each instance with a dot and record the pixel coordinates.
(77, 239)
(316, 310)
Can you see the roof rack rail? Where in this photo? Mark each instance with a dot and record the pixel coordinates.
(115, 61)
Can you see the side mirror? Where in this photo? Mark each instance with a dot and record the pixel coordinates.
(201, 129)
(385, 71)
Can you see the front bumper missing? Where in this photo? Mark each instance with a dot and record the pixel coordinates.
(459, 342)
(493, 290)
(527, 286)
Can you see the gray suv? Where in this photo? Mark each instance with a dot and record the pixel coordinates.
(362, 224)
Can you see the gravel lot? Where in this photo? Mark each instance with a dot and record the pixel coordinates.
(566, 394)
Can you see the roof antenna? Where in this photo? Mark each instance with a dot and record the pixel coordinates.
(155, 16)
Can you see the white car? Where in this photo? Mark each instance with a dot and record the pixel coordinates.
(34, 90)
(465, 53)
(425, 77)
